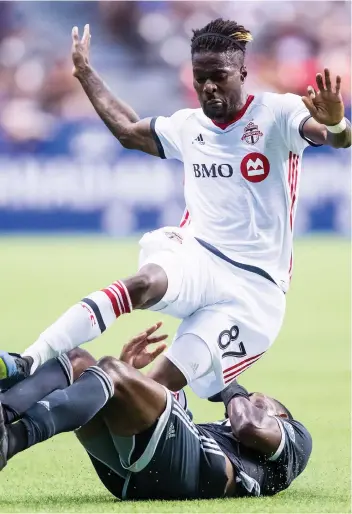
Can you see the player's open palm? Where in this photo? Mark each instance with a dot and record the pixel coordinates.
(80, 50)
(136, 352)
(325, 105)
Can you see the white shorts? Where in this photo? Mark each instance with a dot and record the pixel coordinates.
(237, 313)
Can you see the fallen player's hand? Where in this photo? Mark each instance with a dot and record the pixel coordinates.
(135, 352)
(80, 50)
(326, 104)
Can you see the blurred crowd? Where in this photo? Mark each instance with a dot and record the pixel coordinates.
(142, 50)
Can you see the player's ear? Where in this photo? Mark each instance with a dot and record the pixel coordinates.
(243, 72)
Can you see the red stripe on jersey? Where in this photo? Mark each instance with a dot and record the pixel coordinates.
(291, 261)
(113, 301)
(184, 218)
(293, 185)
(239, 364)
(127, 305)
(292, 182)
(238, 372)
(238, 116)
(289, 168)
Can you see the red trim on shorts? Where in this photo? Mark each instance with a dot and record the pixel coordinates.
(238, 371)
(240, 363)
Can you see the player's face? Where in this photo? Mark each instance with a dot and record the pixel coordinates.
(267, 403)
(218, 79)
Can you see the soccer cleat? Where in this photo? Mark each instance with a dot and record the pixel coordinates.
(13, 369)
(4, 443)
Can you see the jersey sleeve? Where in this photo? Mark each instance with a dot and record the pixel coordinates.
(295, 447)
(167, 134)
(291, 115)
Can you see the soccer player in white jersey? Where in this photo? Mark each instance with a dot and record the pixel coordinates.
(227, 274)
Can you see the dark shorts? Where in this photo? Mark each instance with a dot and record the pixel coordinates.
(172, 460)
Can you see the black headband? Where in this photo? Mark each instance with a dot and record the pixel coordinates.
(215, 34)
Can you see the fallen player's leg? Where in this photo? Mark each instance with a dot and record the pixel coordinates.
(55, 374)
(142, 434)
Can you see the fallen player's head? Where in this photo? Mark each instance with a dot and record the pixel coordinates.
(218, 52)
(270, 405)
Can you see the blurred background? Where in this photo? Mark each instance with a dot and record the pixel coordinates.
(62, 171)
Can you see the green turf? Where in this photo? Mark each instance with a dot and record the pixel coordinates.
(308, 368)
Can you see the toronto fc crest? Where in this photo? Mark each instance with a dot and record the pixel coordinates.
(251, 134)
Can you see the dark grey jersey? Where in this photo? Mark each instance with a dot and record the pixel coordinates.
(258, 475)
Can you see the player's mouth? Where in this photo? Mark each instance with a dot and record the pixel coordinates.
(214, 102)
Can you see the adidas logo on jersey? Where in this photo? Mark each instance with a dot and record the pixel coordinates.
(199, 140)
(171, 432)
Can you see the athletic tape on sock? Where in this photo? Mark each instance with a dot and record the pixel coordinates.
(104, 379)
(66, 365)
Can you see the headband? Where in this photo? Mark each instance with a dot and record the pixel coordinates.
(215, 34)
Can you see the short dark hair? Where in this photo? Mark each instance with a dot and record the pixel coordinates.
(220, 36)
(285, 409)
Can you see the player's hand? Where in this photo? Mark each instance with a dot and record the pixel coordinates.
(325, 104)
(136, 353)
(80, 50)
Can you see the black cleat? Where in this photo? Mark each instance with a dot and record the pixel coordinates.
(13, 369)
(4, 443)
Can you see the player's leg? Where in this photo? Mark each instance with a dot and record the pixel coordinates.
(85, 321)
(174, 278)
(55, 374)
(71, 408)
(234, 339)
(191, 360)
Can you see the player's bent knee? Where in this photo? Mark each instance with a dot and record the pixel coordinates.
(80, 360)
(118, 371)
(148, 286)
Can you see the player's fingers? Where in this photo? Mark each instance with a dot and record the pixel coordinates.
(157, 351)
(320, 83)
(327, 79)
(309, 104)
(338, 84)
(311, 92)
(75, 34)
(153, 328)
(86, 35)
(136, 340)
(157, 339)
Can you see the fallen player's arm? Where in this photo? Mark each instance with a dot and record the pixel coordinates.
(120, 118)
(327, 125)
(251, 426)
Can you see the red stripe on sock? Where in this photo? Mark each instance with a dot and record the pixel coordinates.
(126, 300)
(113, 301)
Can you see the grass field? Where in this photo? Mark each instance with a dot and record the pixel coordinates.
(308, 368)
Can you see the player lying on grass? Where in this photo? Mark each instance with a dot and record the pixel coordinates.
(226, 275)
(142, 443)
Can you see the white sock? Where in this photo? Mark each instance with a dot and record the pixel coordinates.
(81, 323)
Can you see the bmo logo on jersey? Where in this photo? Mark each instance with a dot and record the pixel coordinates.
(214, 170)
(255, 167)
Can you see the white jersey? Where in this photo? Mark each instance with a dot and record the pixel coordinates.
(242, 179)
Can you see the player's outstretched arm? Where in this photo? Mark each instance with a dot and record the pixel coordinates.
(328, 126)
(120, 119)
(252, 426)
